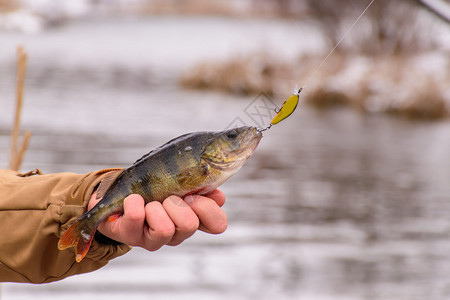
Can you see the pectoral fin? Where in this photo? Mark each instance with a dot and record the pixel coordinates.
(106, 183)
(192, 175)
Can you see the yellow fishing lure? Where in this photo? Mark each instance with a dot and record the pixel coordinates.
(287, 108)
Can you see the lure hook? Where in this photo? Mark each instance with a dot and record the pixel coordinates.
(264, 129)
(286, 109)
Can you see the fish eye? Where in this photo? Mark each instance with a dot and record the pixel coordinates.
(232, 134)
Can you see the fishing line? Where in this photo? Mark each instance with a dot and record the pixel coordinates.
(338, 43)
(290, 104)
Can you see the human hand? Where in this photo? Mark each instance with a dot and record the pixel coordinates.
(156, 224)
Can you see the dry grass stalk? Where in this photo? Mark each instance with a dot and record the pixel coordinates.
(16, 155)
(9, 6)
(23, 149)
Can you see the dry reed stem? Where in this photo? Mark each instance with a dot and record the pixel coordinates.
(16, 156)
(23, 149)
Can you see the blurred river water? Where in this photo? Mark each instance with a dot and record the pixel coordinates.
(333, 204)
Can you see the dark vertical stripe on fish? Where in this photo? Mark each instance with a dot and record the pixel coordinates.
(170, 163)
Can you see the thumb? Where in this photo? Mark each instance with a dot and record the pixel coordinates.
(129, 227)
(93, 201)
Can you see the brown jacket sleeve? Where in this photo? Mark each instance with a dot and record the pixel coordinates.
(34, 212)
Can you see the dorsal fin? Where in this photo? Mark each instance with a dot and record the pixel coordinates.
(106, 183)
(172, 141)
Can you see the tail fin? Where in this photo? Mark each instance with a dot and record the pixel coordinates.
(79, 236)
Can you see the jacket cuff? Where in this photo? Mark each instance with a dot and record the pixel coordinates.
(81, 192)
(76, 204)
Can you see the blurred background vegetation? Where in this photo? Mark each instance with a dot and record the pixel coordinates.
(399, 50)
(388, 50)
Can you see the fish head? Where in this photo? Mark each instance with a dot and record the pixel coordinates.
(229, 149)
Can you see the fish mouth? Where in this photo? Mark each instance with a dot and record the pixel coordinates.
(252, 138)
(249, 139)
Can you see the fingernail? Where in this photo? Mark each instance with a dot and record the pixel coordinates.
(189, 199)
(177, 200)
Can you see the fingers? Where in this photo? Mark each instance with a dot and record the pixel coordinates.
(186, 217)
(218, 196)
(132, 223)
(153, 225)
(212, 218)
(185, 220)
(160, 229)
(129, 227)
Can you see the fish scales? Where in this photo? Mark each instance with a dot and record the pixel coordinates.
(155, 177)
(192, 163)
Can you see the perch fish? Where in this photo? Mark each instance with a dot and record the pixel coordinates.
(192, 163)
